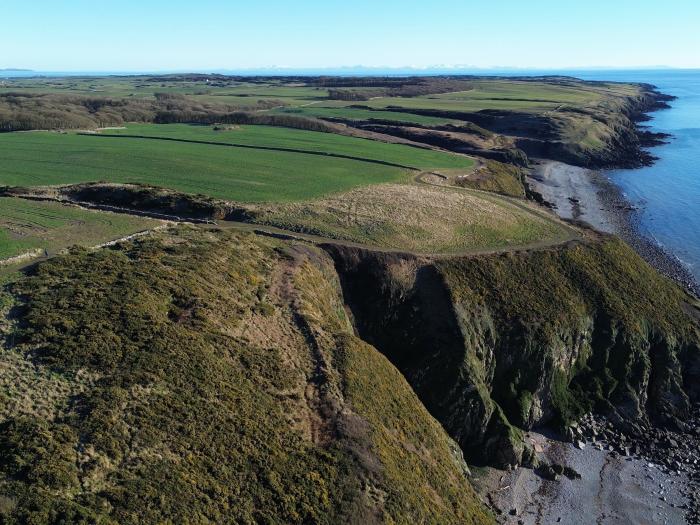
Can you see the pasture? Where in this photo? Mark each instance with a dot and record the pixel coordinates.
(48, 227)
(302, 140)
(419, 218)
(498, 95)
(360, 113)
(241, 174)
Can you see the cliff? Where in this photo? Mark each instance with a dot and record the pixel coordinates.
(500, 343)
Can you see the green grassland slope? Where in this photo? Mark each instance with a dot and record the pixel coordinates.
(48, 227)
(209, 377)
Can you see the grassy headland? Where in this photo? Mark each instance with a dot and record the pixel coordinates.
(214, 377)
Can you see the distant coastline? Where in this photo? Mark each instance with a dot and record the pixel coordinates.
(590, 196)
(344, 71)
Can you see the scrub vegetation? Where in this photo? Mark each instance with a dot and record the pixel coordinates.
(194, 377)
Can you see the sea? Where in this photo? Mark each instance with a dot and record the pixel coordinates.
(667, 194)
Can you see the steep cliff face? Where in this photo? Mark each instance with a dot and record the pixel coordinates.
(600, 135)
(495, 344)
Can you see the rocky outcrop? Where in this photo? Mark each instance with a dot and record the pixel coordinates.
(600, 136)
(496, 344)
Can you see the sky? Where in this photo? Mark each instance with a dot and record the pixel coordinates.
(179, 35)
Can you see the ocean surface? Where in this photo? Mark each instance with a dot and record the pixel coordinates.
(668, 193)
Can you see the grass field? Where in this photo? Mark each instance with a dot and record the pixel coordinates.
(419, 218)
(497, 94)
(327, 143)
(47, 226)
(351, 113)
(241, 174)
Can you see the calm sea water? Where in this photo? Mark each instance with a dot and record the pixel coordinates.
(668, 193)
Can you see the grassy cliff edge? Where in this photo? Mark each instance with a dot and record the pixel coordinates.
(200, 377)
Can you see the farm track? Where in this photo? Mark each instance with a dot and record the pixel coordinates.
(573, 236)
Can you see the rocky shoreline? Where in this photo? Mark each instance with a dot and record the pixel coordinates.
(625, 218)
(660, 466)
(590, 197)
(587, 195)
(672, 452)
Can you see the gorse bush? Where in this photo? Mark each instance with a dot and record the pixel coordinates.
(199, 404)
(24, 112)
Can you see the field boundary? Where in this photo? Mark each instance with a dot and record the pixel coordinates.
(262, 148)
(573, 235)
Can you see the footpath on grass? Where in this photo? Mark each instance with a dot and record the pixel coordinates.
(572, 234)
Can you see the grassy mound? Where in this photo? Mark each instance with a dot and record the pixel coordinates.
(419, 218)
(210, 377)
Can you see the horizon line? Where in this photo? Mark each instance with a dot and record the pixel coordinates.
(439, 67)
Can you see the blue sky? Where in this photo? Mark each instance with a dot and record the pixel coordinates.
(153, 35)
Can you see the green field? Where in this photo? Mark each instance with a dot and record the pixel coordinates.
(350, 113)
(496, 94)
(242, 174)
(327, 143)
(48, 226)
(240, 94)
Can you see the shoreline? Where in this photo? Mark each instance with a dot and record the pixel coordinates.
(658, 482)
(591, 197)
(606, 487)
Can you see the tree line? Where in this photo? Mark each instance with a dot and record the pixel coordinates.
(25, 112)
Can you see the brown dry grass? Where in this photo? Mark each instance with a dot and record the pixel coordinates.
(418, 218)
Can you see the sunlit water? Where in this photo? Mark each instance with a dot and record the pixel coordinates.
(668, 193)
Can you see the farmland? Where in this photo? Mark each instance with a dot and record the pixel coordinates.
(49, 227)
(361, 112)
(239, 93)
(33, 159)
(305, 171)
(301, 140)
